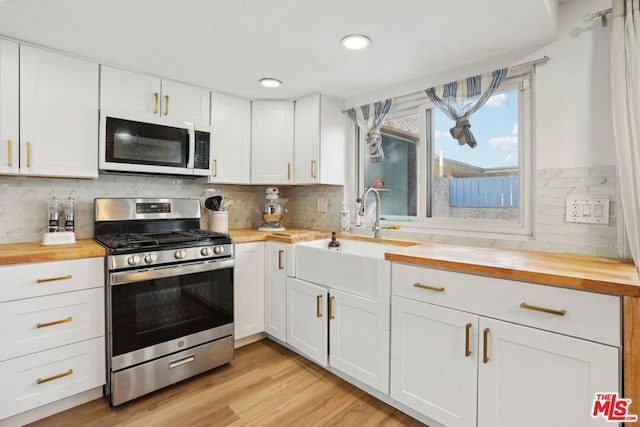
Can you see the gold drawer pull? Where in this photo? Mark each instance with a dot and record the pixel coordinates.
(319, 306)
(289, 171)
(331, 316)
(280, 266)
(166, 105)
(313, 169)
(55, 322)
(215, 168)
(485, 352)
(55, 279)
(155, 103)
(427, 287)
(9, 152)
(542, 309)
(28, 154)
(55, 377)
(467, 350)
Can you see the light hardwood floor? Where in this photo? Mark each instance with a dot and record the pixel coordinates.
(266, 385)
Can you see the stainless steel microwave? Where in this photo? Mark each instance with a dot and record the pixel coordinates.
(155, 147)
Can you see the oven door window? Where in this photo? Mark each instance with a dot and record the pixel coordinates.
(150, 312)
(134, 142)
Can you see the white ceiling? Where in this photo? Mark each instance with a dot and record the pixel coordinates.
(229, 45)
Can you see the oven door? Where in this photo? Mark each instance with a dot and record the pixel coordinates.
(163, 310)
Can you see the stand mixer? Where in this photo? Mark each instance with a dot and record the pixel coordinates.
(272, 211)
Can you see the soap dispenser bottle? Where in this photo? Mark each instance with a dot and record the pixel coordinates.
(345, 218)
(334, 245)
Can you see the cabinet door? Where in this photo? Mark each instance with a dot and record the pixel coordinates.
(359, 338)
(431, 371)
(333, 141)
(307, 140)
(185, 103)
(275, 290)
(9, 107)
(58, 114)
(307, 319)
(125, 92)
(231, 140)
(248, 289)
(272, 142)
(535, 378)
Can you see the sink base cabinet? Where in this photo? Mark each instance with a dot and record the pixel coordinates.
(522, 376)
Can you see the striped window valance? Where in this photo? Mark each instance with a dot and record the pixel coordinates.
(460, 99)
(370, 117)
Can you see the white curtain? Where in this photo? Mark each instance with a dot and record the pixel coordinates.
(625, 84)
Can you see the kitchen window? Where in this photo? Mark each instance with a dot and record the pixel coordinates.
(428, 181)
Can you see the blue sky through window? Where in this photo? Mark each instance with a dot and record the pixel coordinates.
(495, 127)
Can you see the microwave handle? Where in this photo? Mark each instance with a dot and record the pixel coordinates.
(192, 146)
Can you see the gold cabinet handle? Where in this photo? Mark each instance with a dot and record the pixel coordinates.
(543, 309)
(485, 351)
(289, 171)
(54, 279)
(155, 103)
(54, 377)
(313, 169)
(166, 105)
(28, 154)
(280, 266)
(467, 350)
(319, 306)
(9, 152)
(331, 316)
(55, 322)
(215, 168)
(427, 287)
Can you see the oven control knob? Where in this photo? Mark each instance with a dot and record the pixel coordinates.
(180, 254)
(218, 250)
(133, 259)
(149, 258)
(205, 251)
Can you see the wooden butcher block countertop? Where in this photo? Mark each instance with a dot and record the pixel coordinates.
(292, 235)
(18, 253)
(605, 275)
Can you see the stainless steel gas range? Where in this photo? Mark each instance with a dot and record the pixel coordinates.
(169, 294)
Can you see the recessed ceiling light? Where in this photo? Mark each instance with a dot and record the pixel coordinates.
(270, 82)
(355, 41)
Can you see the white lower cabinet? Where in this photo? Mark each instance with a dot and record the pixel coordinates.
(359, 338)
(538, 378)
(40, 378)
(248, 285)
(307, 327)
(431, 371)
(338, 329)
(52, 331)
(275, 289)
(463, 368)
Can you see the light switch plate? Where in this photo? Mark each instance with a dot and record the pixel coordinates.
(587, 210)
(323, 205)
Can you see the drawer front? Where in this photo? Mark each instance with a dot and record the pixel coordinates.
(40, 378)
(47, 278)
(587, 315)
(37, 324)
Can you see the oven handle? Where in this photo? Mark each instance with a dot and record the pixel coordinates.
(125, 277)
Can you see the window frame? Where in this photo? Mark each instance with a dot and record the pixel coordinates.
(418, 103)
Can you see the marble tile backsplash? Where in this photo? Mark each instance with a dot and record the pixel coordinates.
(23, 208)
(23, 201)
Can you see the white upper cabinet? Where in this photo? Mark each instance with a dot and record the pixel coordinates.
(9, 107)
(320, 135)
(149, 98)
(272, 142)
(231, 139)
(58, 114)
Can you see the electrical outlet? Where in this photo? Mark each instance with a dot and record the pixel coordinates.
(587, 210)
(323, 205)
